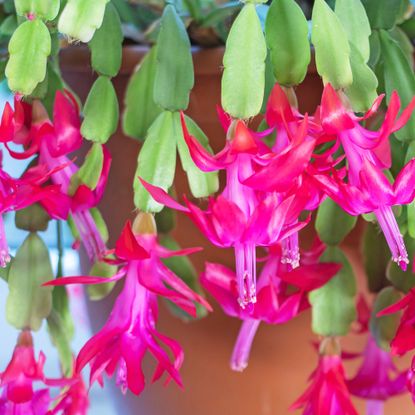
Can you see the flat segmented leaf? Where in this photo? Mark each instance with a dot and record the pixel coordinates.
(243, 80)
(331, 46)
(286, 33)
(174, 72)
(81, 18)
(29, 49)
(106, 45)
(333, 305)
(28, 303)
(140, 109)
(101, 111)
(157, 159)
(44, 9)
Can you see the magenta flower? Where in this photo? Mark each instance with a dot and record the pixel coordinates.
(368, 153)
(54, 141)
(287, 120)
(404, 339)
(242, 156)
(18, 396)
(295, 133)
(74, 399)
(226, 225)
(16, 125)
(130, 330)
(239, 217)
(17, 194)
(377, 379)
(29, 124)
(82, 200)
(277, 302)
(327, 393)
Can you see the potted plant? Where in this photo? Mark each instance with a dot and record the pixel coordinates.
(314, 129)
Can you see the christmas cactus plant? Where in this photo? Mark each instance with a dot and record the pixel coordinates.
(288, 178)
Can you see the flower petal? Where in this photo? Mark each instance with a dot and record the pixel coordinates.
(200, 156)
(127, 246)
(334, 116)
(161, 196)
(404, 187)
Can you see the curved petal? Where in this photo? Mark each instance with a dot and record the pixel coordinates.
(7, 124)
(127, 246)
(243, 140)
(220, 282)
(282, 171)
(67, 136)
(373, 109)
(376, 184)
(311, 277)
(161, 196)
(334, 116)
(278, 107)
(87, 280)
(404, 187)
(228, 220)
(200, 156)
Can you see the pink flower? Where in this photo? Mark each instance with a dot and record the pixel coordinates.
(327, 393)
(54, 141)
(17, 194)
(226, 225)
(242, 156)
(404, 339)
(130, 330)
(17, 381)
(368, 154)
(377, 379)
(74, 399)
(282, 115)
(277, 302)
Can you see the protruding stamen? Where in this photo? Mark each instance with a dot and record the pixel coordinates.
(121, 379)
(393, 235)
(246, 274)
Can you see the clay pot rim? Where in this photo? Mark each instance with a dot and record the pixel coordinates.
(207, 61)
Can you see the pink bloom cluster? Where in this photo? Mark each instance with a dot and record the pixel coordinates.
(267, 191)
(269, 194)
(19, 396)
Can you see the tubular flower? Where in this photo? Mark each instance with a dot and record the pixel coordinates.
(56, 141)
(377, 379)
(19, 396)
(130, 330)
(368, 154)
(327, 393)
(53, 142)
(277, 302)
(225, 225)
(298, 133)
(238, 218)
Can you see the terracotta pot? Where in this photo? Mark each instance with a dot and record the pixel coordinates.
(282, 356)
